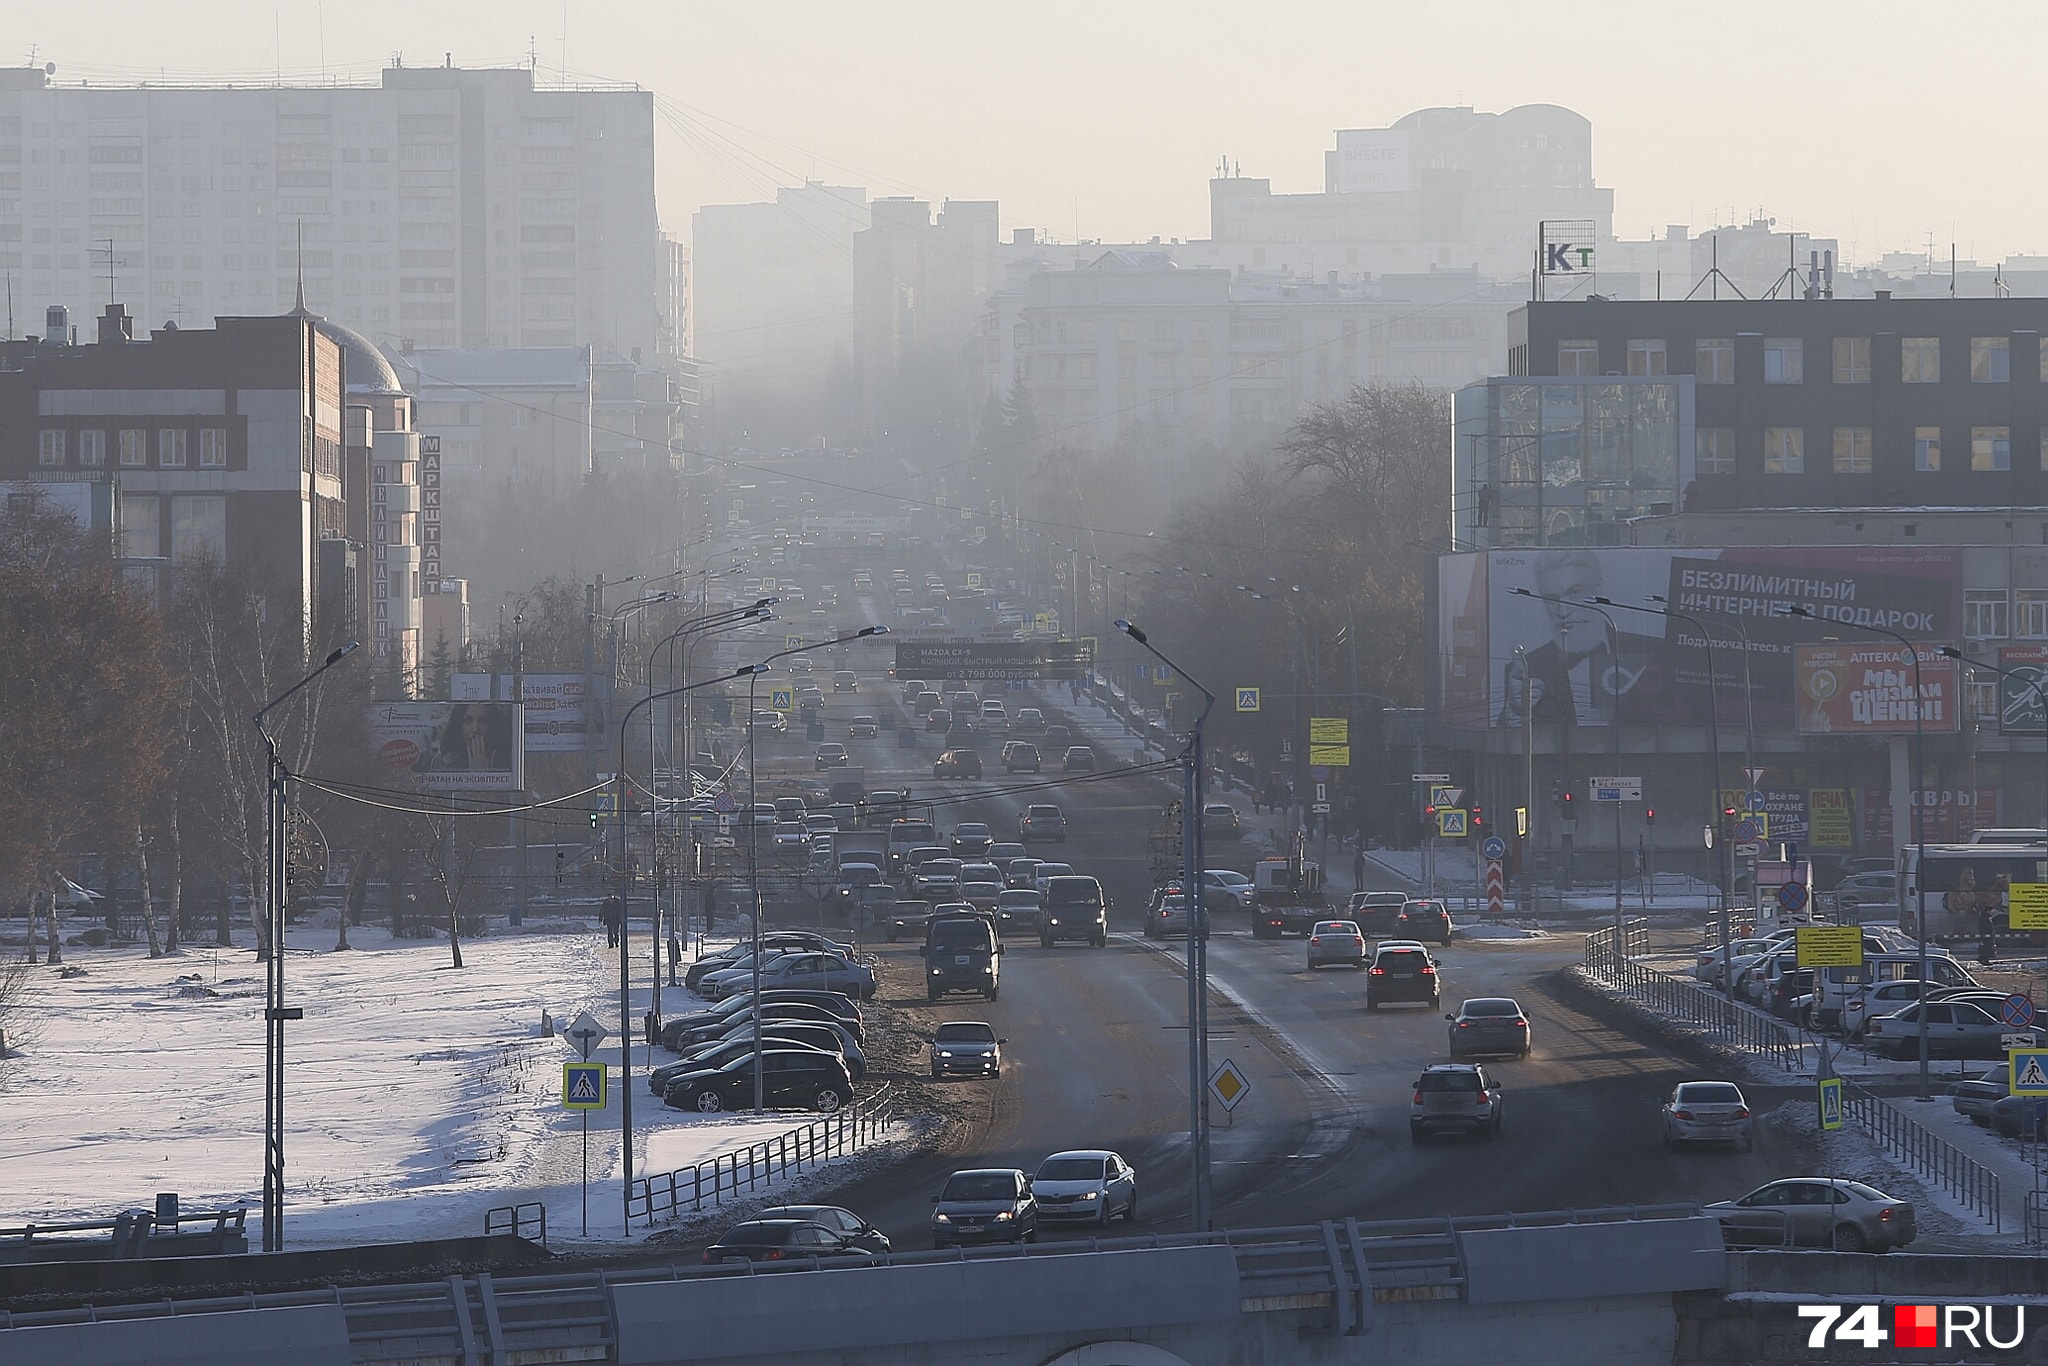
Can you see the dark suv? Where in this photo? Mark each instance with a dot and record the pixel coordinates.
(1075, 908)
(1424, 920)
(1376, 912)
(1402, 970)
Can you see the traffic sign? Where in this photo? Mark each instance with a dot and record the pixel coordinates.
(1495, 847)
(724, 805)
(2017, 1010)
(1755, 775)
(2029, 1071)
(1429, 777)
(2019, 1038)
(1321, 774)
(1319, 808)
(1616, 789)
(1450, 822)
(1828, 946)
(1322, 789)
(1446, 796)
(1830, 1103)
(1496, 901)
(1329, 730)
(583, 1085)
(2029, 906)
(586, 1033)
(1754, 801)
(1247, 699)
(782, 699)
(1228, 1085)
(1793, 896)
(1746, 831)
(974, 578)
(792, 642)
(1749, 849)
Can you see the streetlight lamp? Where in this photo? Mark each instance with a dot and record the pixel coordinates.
(2037, 683)
(1197, 921)
(1614, 736)
(754, 673)
(277, 803)
(625, 958)
(1919, 793)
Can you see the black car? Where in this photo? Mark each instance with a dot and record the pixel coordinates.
(972, 840)
(957, 763)
(1376, 912)
(781, 939)
(790, 1079)
(783, 1240)
(1424, 920)
(1078, 759)
(768, 1010)
(993, 1205)
(831, 1036)
(677, 1084)
(1401, 971)
(843, 1222)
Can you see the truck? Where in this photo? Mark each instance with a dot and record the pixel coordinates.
(1290, 893)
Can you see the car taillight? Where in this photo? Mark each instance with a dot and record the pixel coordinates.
(774, 1254)
(1429, 972)
(1464, 1024)
(1314, 940)
(707, 1256)
(1742, 1112)
(1884, 1216)
(1681, 1114)
(1481, 1098)
(1377, 972)
(1418, 1098)
(1521, 1023)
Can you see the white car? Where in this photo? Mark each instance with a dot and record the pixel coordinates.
(1706, 1112)
(1336, 941)
(1092, 1185)
(1708, 964)
(791, 835)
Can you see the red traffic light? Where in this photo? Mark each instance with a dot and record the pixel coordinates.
(1650, 816)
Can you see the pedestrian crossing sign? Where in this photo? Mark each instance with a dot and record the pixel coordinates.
(782, 699)
(1830, 1103)
(1450, 822)
(2029, 1071)
(583, 1086)
(1247, 699)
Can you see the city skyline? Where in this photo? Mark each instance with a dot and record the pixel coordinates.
(847, 97)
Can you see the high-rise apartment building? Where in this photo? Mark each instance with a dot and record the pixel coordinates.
(442, 206)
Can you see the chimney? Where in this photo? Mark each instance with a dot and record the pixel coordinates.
(1883, 294)
(116, 325)
(56, 324)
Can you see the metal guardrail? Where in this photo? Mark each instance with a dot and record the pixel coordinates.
(1973, 1185)
(529, 1220)
(568, 1317)
(689, 1190)
(2037, 1217)
(1685, 999)
(223, 1221)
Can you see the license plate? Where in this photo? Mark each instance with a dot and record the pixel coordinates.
(960, 960)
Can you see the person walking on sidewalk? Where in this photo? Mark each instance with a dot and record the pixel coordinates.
(1358, 866)
(611, 915)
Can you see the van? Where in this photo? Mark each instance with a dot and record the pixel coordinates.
(962, 953)
(906, 835)
(1833, 988)
(1075, 908)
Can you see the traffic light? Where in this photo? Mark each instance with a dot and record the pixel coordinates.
(1565, 804)
(1478, 818)
(596, 819)
(1557, 797)
(1650, 816)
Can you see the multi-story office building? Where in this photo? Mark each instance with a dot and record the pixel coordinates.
(451, 207)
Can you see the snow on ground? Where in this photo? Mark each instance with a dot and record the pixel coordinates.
(1491, 931)
(416, 1096)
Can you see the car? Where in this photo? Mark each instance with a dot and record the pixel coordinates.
(811, 971)
(1019, 908)
(1880, 998)
(966, 1046)
(1078, 759)
(1375, 912)
(832, 1036)
(777, 1240)
(790, 1079)
(957, 763)
(1002, 851)
(1401, 970)
(1976, 1096)
(1045, 871)
(1075, 908)
(831, 754)
(1220, 821)
(1489, 1025)
(1089, 1185)
(1028, 721)
(1709, 964)
(984, 1205)
(709, 1057)
(1706, 1112)
(937, 877)
(789, 835)
(927, 702)
(1816, 1211)
(801, 664)
(904, 919)
(1168, 916)
(843, 1222)
(938, 721)
(1058, 737)
(914, 688)
(772, 721)
(1956, 1028)
(773, 940)
(2019, 1116)
(1042, 821)
(1457, 1096)
(1424, 920)
(689, 1037)
(961, 731)
(1859, 892)
(1022, 873)
(845, 680)
(980, 893)
(863, 728)
(1337, 941)
(1020, 756)
(1226, 889)
(971, 839)
(995, 715)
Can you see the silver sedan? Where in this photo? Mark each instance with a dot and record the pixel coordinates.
(1707, 1112)
(1336, 941)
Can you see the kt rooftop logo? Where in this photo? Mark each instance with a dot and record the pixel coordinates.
(1559, 258)
(1923, 1326)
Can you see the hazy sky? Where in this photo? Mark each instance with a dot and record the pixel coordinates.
(1877, 122)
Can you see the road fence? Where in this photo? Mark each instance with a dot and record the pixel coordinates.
(1973, 1185)
(1685, 999)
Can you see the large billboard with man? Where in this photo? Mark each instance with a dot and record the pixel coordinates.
(1549, 654)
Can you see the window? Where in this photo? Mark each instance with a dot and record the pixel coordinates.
(1927, 449)
(1784, 450)
(1852, 450)
(199, 528)
(1990, 448)
(1980, 697)
(92, 447)
(1920, 360)
(2030, 619)
(1852, 360)
(1984, 614)
(213, 448)
(1579, 357)
(134, 447)
(1646, 356)
(170, 447)
(1162, 329)
(1714, 360)
(50, 448)
(1990, 360)
(1713, 450)
(1784, 361)
(141, 538)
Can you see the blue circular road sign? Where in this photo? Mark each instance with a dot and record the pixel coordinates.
(1746, 832)
(1793, 896)
(1495, 847)
(2017, 1010)
(724, 804)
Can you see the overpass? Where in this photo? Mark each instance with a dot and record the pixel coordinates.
(1619, 1287)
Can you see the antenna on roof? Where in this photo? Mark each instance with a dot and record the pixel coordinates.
(300, 307)
(106, 245)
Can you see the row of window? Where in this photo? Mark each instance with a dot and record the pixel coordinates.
(1714, 450)
(1988, 614)
(56, 447)
(1785, 359)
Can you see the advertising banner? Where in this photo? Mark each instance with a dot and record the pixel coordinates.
(1950, 815)
(1832, 826)
(450, 746)
(1848, 689)
(1502, 654)
(557, 722)
(2019, 698)
(1372, 160)
(1786, 807)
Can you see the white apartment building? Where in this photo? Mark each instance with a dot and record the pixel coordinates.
(444, 207)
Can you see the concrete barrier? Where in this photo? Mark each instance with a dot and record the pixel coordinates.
(314, 1335)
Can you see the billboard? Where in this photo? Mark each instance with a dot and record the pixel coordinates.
(1372, 160)
(1502, 657)
(1870, 690)
(557, 721)
(450, 746)
(2020, 692)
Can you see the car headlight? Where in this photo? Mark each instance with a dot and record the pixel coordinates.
(1004, 1216)
(986, 971)
(945, 1053)
(936, 972)
(1091, 1195)
(942, 1218)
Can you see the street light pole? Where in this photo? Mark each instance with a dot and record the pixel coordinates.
(1919, 795)
(625, 957)
(1197, 923)
(277, 804)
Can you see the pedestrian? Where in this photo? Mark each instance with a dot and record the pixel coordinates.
(611, 915)
(710, 906)
(675, 951)
(1358, 866)
(1987, 929)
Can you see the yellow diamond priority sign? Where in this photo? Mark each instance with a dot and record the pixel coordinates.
(1228, 1085)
